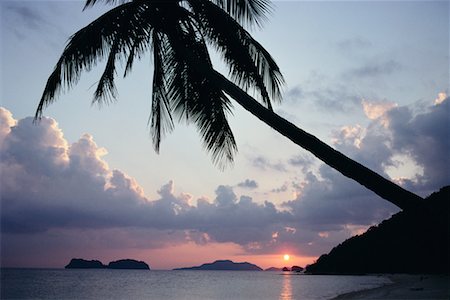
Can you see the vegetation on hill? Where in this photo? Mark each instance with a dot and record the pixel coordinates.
(411, 241)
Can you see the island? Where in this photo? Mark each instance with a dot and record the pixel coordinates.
(128, 264)
(296, 269)
(225, 265)
(271, 269)
(79, 263)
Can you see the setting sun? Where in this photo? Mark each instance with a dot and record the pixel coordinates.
(286, 257)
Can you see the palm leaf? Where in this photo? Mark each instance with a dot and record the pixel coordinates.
(119, 26)
(90, 3)
(161, 117)
(194, 97)
(246, 12)
(250, 64)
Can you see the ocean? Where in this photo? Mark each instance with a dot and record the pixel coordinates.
(144, 284)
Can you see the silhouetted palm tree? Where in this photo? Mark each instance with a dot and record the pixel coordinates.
(186, 86)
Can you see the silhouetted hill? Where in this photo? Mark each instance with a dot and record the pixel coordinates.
(273, 269)
(225, 265)
(415, 241)
(128, 264)
(296, 269)
(79, 263)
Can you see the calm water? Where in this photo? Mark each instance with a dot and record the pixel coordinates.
(139, 284)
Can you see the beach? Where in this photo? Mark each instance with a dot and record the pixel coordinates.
(406, 286)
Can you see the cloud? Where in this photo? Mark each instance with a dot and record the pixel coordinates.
(303, 160)
(248, 183)
(281, 189)
(374, 110)
(440, 98)
(425, 137)
(351, 45)
(57, 190)
(31, 18)
(375, 68)
(265, 164)
(35, 20)
(50, 184)
(321, 92)
(336, 97)
(71, 192)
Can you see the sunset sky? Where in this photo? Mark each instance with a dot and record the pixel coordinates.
(369, 78)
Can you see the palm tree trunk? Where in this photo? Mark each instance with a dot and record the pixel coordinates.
(348, 167)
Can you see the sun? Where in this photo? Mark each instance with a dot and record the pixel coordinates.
(286, 257)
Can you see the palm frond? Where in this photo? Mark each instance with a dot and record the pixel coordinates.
(194, 98)
(90, 3)
(161, 117)
(246, 12)
(250, 64)
(106, 88)
(119, 26)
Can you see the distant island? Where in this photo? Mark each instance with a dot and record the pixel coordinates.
(286, 269)
(225, 265)
(79, 263)
(271, 269)
(413, 241)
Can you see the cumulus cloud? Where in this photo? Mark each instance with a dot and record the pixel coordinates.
(248, 183)
(52, 188)
(426, 139)
(440, 98)
(374, 110)
(50, 184)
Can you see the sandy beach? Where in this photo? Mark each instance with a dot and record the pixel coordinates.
(407, 287)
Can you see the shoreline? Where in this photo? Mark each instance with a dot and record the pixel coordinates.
(406, 286)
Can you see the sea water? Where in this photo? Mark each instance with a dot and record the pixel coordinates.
(144, 284)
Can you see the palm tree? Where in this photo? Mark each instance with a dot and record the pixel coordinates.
(185, 85)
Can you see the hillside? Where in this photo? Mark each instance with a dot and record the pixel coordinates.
(409, 242)
(226, 265)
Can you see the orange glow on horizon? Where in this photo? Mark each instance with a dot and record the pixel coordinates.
(286, 257)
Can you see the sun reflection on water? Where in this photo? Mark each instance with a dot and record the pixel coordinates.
(286, 289)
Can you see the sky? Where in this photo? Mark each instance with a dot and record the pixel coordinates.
(369, 78)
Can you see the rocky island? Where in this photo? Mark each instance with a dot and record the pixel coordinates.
(79, 263)
(128, 264)
(225, 265)
(273, 269)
